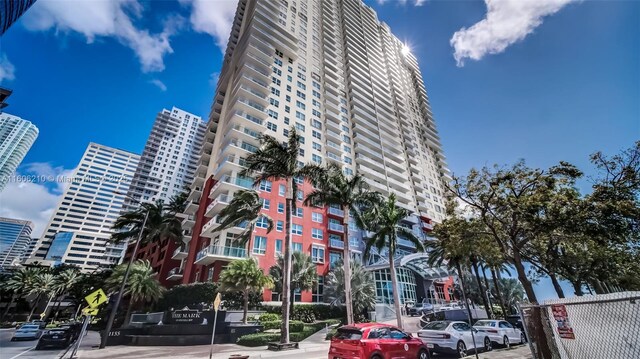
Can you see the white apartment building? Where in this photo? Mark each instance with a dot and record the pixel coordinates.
(355, 94)
(169, 158)
(16, 138)
(80, 227)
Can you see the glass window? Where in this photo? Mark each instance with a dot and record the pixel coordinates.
(266, 204)
(278, 246)
(280, 207)
(262, 222)
(297, 247)
(265, 186)
(318, 289)
(282, 189)
(298, 212)
(259, 245)
(461, 327)
(279, 226)
(296, 229)
(317, 254)
(316, 217)
(316, 233)
(334, 257)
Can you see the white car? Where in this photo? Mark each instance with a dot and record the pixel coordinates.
(27, 331)
(453, 337)
(500, 331)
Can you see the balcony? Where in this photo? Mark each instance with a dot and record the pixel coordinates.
(238, 182)
(192, 207)
(188, 222)
(406, 243)
(180, 253)
(335, 227)
(219, 253)
(336, 212)
(208, 230)
(336, 243)
(427, 226)
(174, 274)
(217, 204)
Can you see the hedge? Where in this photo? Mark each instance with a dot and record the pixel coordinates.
(262, 339)
(268, 317)
(294, 325)
(309, 313)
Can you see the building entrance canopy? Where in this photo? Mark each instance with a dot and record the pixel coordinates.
(418, 262)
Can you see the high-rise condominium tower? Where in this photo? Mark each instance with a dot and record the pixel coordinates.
(79, 228)
(355, 94)
(169, 159)
(15, 237)
(16, 137)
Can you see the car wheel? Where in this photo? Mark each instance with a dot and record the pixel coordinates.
(505, 342)
(423, 354)
(13, 339)
(487, 344)
(462, 349)
(522, 338)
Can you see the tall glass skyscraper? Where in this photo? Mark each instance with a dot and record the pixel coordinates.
(80, 227)
(16, 137)
(15, 236)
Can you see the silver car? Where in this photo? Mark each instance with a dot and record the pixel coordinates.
(453, 337)
(500, 332)
(27, 332)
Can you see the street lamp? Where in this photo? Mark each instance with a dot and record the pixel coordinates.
(112, 314)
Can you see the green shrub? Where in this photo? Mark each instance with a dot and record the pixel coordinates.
(272, 324)
(268, 317)
(296, 326)
(257, 340)
(320, 311)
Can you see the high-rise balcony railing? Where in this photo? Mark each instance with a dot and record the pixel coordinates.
(336, 243)
(180, 253)
(174, 274)
(214, 253)
(336, 227)
(336, 212)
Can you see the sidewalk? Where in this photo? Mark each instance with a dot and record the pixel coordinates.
(313, 347)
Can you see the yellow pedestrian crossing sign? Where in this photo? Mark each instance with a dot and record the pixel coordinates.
(96, 298)
(216, 302)
(90, 311)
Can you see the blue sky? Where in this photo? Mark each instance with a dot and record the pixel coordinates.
(563, 82)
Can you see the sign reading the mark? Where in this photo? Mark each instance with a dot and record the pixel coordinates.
(562, 320)
(96, 298)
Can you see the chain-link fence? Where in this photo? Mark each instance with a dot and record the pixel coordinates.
(600, 327)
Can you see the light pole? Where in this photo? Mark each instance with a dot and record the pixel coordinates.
(114, 310)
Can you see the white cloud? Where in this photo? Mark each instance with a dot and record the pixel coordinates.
(213, 18)
(506, 22)
(213, 79)
(7, 70)
(106, 18)
(34, 201)
(160, 84)
(402, 2)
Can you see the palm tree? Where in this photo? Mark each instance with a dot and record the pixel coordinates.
(348, 193)
(304, 275)
(275, 161)
(385, 218)
(162, 223)
(244, 275)
(513, 292)
(142, 286)
(362, 286)
(44, 284)
(244, 207)
(63, 282)
(21, 282)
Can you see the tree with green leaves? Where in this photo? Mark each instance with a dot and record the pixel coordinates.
(275, 161)
(63, 282)
(162, 223)
(142, 286)
(245, 207)
(362, 286)
(21, 282)
(244, 275)
(304, 274)
(384, 220)
(513, 293)
(44, 285)
(348, 193)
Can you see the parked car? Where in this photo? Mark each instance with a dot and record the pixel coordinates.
(27, 332)
(453, 337)
(420, 309)
(75, 329)
(41, 323)
(374, 340)
(516, 321)
(56, 337)
(500, 332)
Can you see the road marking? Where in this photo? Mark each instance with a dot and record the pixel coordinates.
(24, 352)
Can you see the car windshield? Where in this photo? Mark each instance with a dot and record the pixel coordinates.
(436, 326)
(485, 323)
(351, 334)
(30, 327)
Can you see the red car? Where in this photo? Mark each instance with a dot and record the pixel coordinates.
(375, 341)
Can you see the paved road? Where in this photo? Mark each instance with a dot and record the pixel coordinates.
(23, 349)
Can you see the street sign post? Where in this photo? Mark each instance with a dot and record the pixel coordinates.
(96, 298)
(87, 320)
(216, 306)
(90, 311)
